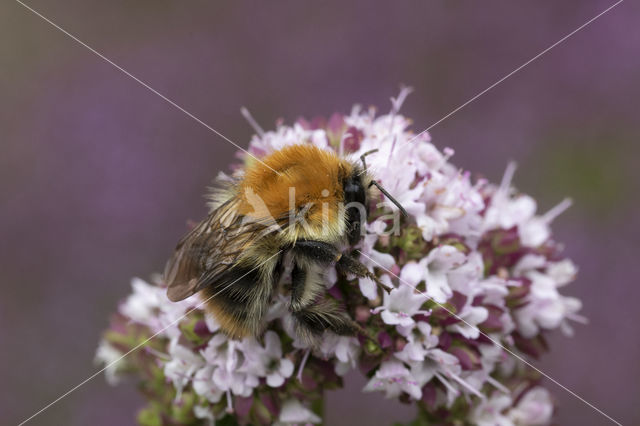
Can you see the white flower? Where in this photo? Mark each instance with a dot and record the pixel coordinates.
(227, 356)
(216, 351)
(529, 262)
(204, 385)
(148, 305)
(536, 231)
(470, 317)
(268, 362)
(562, 272)
(344, 349)
(434, 270)
(372, 258)
(465, 279)
(505, 211)
(457, 205)
(419, 341)
(394, 378)
(205, 413)
(400, 305)
(446, 367)
(286, 136)
(183, 364)
(143, 305)
(110, 356)
(534, 409)
(494, 290)
(545, 307)
(491, 411)
(294, 413)
(439, 263)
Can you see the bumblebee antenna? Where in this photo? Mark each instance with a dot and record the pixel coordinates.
(384, 191)
(386, 194)
(364, 163)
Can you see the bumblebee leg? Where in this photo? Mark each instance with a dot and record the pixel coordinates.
(326, 253)
(312, 319)
(312, 313)
(350, 265)
(318, 251)
(306, 284)
(323, 314)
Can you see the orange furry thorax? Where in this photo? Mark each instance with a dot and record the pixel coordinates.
(292, 178)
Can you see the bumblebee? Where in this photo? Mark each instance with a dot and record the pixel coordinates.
(301, 205)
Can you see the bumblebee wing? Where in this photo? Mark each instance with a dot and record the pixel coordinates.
(207, 252)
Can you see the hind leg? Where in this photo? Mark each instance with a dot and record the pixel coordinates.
(313, 314)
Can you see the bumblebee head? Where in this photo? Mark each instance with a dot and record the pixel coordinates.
(356, 186)
(356, 204)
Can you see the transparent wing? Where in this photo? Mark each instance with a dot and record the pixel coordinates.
(209, 250)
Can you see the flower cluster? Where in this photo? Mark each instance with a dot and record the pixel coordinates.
(476, 279)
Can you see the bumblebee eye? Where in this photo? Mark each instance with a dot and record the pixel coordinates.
(354, 192)
(355, 199)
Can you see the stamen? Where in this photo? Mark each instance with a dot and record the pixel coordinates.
(393, 146)
(229, 403)
(497, 384)
(256, 127)
(578, 318)
(507, 178)
(468, 386)
(556, 211)
(396, 103)
(446, 383)
(157, 353)
(302, 364)
(448, 153)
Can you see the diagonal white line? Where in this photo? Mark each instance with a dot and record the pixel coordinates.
(516, 70)
(142, 83)
(88, 379)
(497, 343)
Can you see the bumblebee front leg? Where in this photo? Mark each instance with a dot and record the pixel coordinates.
(351, 265)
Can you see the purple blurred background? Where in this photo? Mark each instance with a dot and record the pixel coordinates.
(98, 175)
